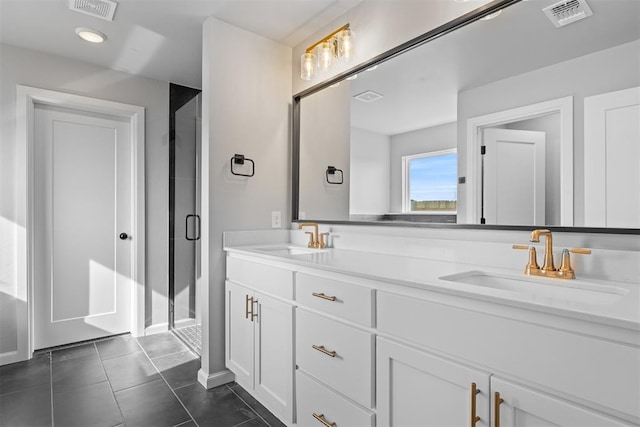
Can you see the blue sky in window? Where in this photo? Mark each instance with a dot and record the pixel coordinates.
(434, 177)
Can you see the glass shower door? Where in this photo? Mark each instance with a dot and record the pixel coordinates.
(184, 313)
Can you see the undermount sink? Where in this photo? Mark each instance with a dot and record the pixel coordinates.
(291, 250)
(541, 288)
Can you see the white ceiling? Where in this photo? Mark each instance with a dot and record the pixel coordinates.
(420, 87)
(161, 39)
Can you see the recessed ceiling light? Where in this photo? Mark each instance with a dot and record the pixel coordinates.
(89, 35)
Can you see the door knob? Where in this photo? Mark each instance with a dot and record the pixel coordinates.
(123, 236)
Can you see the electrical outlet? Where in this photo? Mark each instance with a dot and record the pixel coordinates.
(276, 219)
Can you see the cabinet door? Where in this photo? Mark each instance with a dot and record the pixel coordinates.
(418, 389)
(239, 331)
(521, 406)
(274, 355)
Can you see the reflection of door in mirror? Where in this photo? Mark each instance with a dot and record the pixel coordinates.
(611, 157)
(514, 177)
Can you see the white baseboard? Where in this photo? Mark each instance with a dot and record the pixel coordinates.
(216, 379)
(9, 357)
(156, 329)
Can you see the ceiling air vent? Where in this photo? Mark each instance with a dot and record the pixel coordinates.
(368, 96)
(566, 12)
(103, 9)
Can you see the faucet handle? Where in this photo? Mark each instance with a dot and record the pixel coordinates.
(322, 242)
(312, 242)
(532, 265)
(566, 271)
(582, 251)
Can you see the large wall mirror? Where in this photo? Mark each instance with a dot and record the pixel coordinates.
(512, 121)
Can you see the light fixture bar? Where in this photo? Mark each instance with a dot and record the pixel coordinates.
(327, 38)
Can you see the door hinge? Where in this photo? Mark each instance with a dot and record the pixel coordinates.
(483, 150)
(483, 221)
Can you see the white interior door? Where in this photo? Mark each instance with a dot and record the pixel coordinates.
(82, 204)
(611, 159)
(514, 177)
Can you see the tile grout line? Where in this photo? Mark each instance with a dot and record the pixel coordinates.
(249, 406)
(167, 384)
(51, 386)
(113, 393)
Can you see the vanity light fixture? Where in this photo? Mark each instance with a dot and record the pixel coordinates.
(322, 54)
(90, 35)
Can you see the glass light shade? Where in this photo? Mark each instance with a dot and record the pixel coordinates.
(346, 45)
(491, 15)
(307, 66)
(326, 52)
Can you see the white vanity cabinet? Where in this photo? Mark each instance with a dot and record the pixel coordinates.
(329, 348)
(416, 388)
(259, 332)
(573, 367)
(514, 405)
(334, 353)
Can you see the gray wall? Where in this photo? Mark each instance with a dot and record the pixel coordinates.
(370, 172)
(605, 71)
(427, 140)
(246, 110)
(25, 67)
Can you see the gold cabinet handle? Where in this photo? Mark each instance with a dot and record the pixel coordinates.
(320, 417)
(253, 314)
(248, 307)
(474, 392)
(497, 401)
(321, 349)
(323, 296)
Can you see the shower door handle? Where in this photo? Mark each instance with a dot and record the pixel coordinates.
(186, 227)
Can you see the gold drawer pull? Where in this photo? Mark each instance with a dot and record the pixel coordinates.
(321, 349)
(248, 306)
(497, 401)
(323, 296)
(474, 392)
(323, 421)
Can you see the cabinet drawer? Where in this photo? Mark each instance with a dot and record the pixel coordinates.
(271, 280)
(342, 299)
(313, 398)
(348, 370)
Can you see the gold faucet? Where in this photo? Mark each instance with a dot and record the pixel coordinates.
(548, 249)
(315, 240)
(548, 269)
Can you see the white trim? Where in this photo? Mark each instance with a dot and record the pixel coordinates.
(216, 379)
(27, 97)
(8, 357)
(564, 106)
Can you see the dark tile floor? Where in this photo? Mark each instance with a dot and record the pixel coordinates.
(122, 381)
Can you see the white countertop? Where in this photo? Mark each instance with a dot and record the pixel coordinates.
(619, 305)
